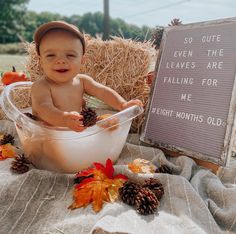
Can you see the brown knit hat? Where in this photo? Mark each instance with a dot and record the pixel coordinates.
(44, 28)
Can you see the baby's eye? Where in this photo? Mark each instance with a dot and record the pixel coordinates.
(50, 55)
(71, 55)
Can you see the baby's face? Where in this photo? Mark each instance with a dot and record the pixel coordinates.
(60, 56)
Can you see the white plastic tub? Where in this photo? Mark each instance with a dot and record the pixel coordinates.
(63, 150)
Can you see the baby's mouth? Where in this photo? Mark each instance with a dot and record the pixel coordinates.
(62, 70)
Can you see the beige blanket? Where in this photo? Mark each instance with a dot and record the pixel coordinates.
(195, 200)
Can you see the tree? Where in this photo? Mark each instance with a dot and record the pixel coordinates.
(34, 20)
(91, 23)
(12, 20)
(120, 28)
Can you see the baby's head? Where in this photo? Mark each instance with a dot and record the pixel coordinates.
(57, 25)
(60, 47)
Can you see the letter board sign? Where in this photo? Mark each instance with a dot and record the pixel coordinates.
(192, 103)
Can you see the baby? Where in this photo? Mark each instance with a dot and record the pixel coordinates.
(58, 99)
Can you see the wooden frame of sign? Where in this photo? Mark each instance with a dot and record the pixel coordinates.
(192, 104)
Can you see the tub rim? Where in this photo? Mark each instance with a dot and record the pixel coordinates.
(20, 118)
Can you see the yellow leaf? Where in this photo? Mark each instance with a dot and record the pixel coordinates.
(7, 151)
(142, 166)
(134, 168)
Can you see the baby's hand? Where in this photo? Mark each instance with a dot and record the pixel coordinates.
(74, 121)
(132, 103)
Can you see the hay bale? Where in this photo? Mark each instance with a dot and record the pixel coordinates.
(32, 64)
(2, 114)
(121, 64)
(21, 98)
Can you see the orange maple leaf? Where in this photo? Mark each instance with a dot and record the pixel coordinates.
(7, 151)
(96, 185)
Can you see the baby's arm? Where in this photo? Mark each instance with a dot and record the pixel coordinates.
(106, 94)
(43, 107)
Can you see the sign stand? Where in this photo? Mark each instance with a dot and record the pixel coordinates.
(193, 98)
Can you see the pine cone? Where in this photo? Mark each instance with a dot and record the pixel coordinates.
(157, 36)
(33, 117)
(146, 202)
(175, 22)
(19, 165)
(164, 169)
(90, 117)
(7, 138)
(128, 192)
(155, 186)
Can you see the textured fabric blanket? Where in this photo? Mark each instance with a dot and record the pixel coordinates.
(195, 200)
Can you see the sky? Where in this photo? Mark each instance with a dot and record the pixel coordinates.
(144, 12)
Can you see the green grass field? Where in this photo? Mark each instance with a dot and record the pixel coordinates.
(7, 61)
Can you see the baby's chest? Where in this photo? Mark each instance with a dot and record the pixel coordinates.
(67, 99)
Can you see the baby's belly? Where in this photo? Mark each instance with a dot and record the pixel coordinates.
(72, 106)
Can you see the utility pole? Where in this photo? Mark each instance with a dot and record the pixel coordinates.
(106, 20)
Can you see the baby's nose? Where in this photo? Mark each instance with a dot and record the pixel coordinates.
(61, 60)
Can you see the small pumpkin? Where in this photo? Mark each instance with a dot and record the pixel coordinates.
(13, 76)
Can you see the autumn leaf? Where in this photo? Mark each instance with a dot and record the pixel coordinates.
(142, 166)
(96, 185)
(1, 135)
(113, 191)
(134, 168)
(108, 170)
(7, 151)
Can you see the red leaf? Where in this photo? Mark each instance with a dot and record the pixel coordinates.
(100, 167)
(85, 172)
(84, 182)
(121, 176)
(109, 169)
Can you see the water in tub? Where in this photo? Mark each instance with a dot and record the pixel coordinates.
(68, 151)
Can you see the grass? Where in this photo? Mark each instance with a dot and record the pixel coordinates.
(12, 48)
(7, 61)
